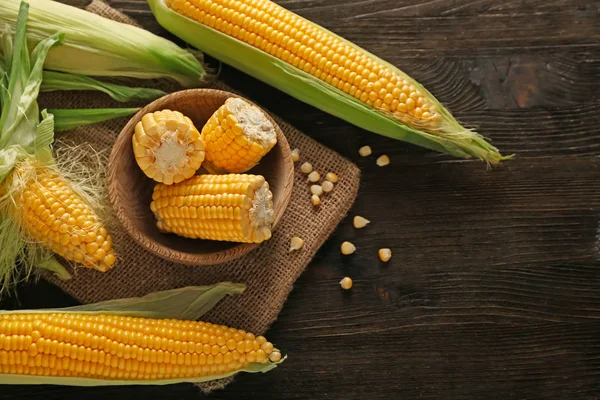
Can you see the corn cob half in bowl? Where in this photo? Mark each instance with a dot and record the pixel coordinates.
(233, 212)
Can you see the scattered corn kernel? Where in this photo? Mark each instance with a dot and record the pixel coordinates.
(345, 283)
(316, 200)
(383, 161)
(296, 243)
(306, 168)
(360, 222)
(385, 255)
(331, 177)
(327, 186)
(365, 151)
(316, 189)
(295, 155)
(348, 248)
(314, 176)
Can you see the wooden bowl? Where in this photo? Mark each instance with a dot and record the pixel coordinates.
(130, 190)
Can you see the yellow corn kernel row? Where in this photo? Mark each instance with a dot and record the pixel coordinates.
(124, 348)
(303, 44)
(237, 208)
(167, 146)
(237, 136)
(52, 214)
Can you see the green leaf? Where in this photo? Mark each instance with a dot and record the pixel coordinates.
(66, 119)
(452, 139)
(61, 81)
(44, 131)
(51, 264)
(189, 303)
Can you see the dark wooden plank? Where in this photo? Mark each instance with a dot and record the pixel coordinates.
(494, 287)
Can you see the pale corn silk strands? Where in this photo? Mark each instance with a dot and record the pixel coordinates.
(268, 272)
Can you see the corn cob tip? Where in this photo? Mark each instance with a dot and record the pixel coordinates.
(237, 136)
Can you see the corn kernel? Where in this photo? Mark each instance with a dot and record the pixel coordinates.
(295, 155)
(385, 254)
(346, 283)
(306, 168)
(347, 248)
(296, 243)
(316, 190)
(383, 161)
(365, 151)
(314, 176)
(315, 200)
(331, 177)
(327, 186)
(360, 222)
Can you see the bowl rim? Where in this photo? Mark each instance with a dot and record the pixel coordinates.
(159, 249)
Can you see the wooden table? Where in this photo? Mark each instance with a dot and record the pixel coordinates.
(494, 287)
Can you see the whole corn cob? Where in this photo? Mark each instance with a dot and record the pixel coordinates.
(237, 136)
(111, 347)
(318, 67)
(167, 146)
(51, 213)
(236, 208)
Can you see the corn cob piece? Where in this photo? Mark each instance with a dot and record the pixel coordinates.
(167, 146)
(111, 347)
(320, 68)
(235, 208)
(237, 136)
(51, 213)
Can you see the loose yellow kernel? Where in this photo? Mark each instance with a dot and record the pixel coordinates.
(360, 222)
(314, 176)
(316, 190)
(347, 248)
(327, 186)
(295, 155)
(383, 160)
(331, 177)
(365, 151)
(316, 200)
(306, 168)
(296, 243)
(385, 254)
(346, 283)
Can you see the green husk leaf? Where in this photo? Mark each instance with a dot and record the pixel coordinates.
(452, 139)
(66, 119)
(61, 81)
(51, 264)
(44, 131)
(98, 46)
(189, 303)
(184, 303)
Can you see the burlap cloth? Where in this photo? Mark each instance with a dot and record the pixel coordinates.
(269, 271)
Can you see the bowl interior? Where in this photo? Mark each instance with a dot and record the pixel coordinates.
(130, 190)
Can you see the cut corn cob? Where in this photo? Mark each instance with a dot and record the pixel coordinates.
(316, 66)
(237, 136)
(236, 208)
(51, 213)
(167, 146)
(112, 347)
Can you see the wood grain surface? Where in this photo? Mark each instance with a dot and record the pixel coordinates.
(493, 291)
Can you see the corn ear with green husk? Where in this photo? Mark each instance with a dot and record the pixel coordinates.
(98, 46)
(320, 68)
(140, 321)
(42, 212)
